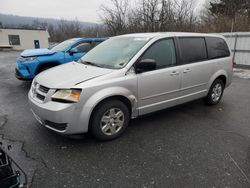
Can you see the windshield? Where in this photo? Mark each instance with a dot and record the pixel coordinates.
(116, 52)
(62, 46)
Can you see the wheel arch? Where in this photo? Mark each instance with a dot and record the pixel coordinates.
(117, 93)
(221, 74)
(47, 64)
(223, 78)
(121, 98)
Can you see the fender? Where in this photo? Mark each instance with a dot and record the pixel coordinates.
(216, 75)
(103, 94)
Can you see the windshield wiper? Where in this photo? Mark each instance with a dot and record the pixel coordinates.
(90, 63)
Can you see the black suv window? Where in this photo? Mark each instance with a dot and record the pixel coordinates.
(163, 52)
(84, 47)
(217, 48)
(193, 49)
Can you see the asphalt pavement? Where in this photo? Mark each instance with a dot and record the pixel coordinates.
(191, 145)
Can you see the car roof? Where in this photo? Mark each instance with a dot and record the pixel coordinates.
(170, 34)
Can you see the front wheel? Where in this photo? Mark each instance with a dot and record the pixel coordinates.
(109, 120)
(215, 92)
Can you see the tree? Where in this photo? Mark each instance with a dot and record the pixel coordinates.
(229, 15)
(39, 25)
(116, 18)
(68, 29)
(230, 8)
(185, 19)
(149, 16)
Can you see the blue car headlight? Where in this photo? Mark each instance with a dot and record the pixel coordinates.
(26, 59)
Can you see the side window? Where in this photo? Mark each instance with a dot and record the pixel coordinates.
(163, 52)
(98, 42)
(84, 47)
(193, 49)
(14, 39)
(217, 48)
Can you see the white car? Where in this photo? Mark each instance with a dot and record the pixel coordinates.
(128, 76)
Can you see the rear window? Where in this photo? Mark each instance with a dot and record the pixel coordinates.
(217, 48)
(193, 49)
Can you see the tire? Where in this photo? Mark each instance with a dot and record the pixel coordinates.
(109, 120)
(215, 92)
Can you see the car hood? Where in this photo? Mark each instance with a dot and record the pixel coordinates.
(37, 52)
(69, 75)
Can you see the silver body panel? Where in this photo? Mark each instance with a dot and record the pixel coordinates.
(147, 92)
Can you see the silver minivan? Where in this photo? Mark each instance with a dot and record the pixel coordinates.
(128, 76)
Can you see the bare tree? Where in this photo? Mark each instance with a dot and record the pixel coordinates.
(66, 29)
(39, 25)
(149, 16)
(167, 16)
(185, 19)
(116, 18)
(95, 31)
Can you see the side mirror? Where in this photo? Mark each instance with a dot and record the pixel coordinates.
(73, 51)
(146, 65)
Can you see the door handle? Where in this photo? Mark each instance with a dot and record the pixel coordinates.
(174, 73)
(186, 71)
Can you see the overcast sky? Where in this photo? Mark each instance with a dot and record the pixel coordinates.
(84, 10)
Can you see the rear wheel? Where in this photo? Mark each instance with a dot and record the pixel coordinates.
(215, 92)
(109, 120)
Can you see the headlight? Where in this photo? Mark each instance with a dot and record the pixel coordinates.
(67, 95)
(24, 59)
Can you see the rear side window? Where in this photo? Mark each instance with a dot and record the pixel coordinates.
(163, 52)
(217, 48)
(193, 49)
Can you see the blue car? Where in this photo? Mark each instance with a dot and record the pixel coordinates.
(32, 62)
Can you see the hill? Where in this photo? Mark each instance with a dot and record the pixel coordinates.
(15, 21)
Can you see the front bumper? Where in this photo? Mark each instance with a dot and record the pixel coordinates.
(26, 71)
(62, 118)
(20, 76)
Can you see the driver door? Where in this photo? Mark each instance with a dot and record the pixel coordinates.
(159, 88)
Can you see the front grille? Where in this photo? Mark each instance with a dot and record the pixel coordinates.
(39, 91)
(58, 126)
(43, 89)
(41, 97)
